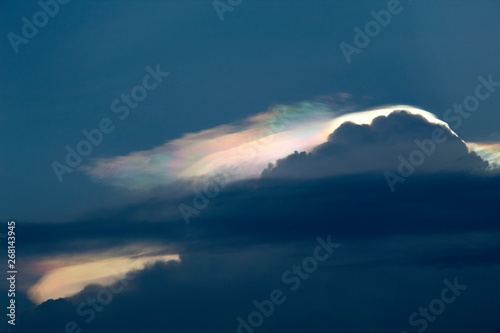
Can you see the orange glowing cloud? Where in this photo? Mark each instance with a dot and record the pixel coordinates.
(63, 279)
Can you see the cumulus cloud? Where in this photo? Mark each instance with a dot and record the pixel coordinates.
(380, 146)
(240, 150)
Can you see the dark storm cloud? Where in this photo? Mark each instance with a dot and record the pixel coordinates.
(284, 209)
(229, 259)
(210, 289)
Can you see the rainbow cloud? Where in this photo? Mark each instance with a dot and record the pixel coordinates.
(67, 275)
(241, 150)
(487, 151)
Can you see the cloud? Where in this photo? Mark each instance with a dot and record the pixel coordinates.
(247, 144)
(210, 288)
(377, 147)
(489, 151)
(241, 150)
(67, 275)
(285, 215)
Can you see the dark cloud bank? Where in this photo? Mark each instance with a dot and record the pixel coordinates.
(396, 248)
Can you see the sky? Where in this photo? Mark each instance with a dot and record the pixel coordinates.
(175, 159)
